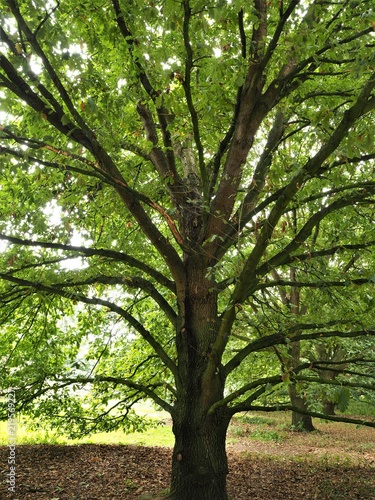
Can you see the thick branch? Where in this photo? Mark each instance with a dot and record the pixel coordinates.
(285, 339)
(161, 161)
(145, 334)
(89, 252)
(132, 282)
(146, 389)
(271, 381)
(241, 29)
(315, 414)
(20, 88)
(308, 227)
(215, 163)
(188, 94)
(164, 115)
(279, 30)
(260, 32)
(33, 77)
(31, 37)
(245, 212)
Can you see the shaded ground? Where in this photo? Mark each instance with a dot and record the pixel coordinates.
(335, 463)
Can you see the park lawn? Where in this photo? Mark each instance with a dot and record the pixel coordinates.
(265, 458)
(159, 435)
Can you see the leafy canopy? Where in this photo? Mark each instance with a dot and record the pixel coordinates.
(145, 145)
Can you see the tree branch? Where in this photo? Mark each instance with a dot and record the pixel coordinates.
(145, 334)
(242, 34)
(19, 87)
(133, 282)
(146, 389)
(31, 37)
(259, 32)
(279, 30)
(246, 211)
(248, 279)
(284, 407)
(164, 115)
(89, 252)
(188, 94)
(325, 194)
(319, 284)
(322, 253)
(239, 392)
(104, 177)
(285, 339)
(215, 162)
(341, 383)
(308, 227)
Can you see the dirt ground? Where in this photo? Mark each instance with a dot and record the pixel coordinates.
(336, 463)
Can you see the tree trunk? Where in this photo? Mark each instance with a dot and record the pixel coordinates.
(199, 463)
(328, 352)
(300, 422)
(328, 407)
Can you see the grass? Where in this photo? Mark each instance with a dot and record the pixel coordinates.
(335, 443)
(160, 435)
(338, 451)
(255, 420)
(157, 436)
(244, 426)
(256, 427)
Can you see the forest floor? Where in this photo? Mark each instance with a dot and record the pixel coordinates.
(266, 461)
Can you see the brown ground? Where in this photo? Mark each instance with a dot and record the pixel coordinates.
(337, 462)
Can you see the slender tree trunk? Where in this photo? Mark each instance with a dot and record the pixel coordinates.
(292, 360)
(328, 352)
(328, 407)
(300, 422)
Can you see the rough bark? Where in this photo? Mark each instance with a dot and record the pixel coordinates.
(199, 463)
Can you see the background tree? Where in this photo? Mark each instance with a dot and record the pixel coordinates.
(152, 154)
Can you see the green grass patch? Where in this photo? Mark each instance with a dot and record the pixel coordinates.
(257, 427)
(254, 420)
(266, 435)
(160, 435)
(361, 408)
(157, 436)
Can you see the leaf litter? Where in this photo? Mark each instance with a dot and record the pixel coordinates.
(334, 464)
